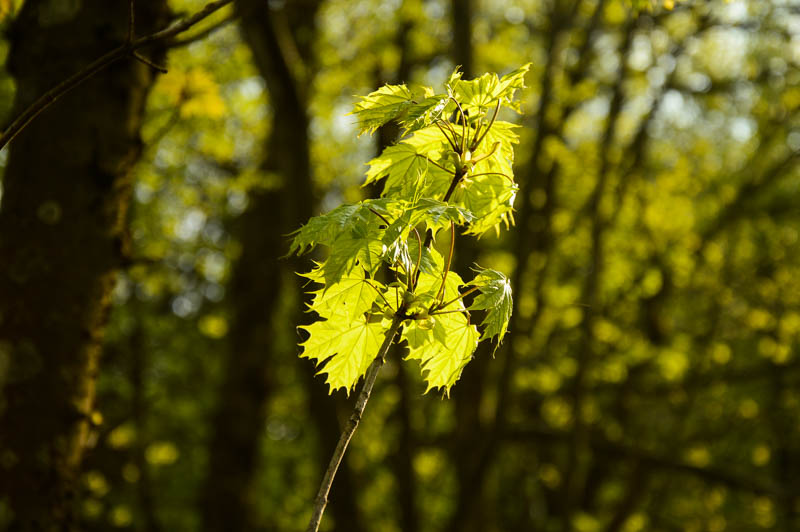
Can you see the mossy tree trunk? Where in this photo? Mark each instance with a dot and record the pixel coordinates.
(62, 239)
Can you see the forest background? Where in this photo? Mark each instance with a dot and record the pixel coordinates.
(148, 342)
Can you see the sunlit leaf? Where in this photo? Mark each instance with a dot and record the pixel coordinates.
(381, 107)
(348, 298)
(442, 350)
(346, 347)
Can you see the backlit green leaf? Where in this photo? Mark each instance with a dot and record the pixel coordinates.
(348, 298)
(347, 348)
(381, 106)
(442, 350)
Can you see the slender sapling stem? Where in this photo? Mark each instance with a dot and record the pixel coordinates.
(321, 500)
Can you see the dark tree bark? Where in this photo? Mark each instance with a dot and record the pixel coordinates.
(468, 395)
(461, 17)
(62, 240)
(281, 42)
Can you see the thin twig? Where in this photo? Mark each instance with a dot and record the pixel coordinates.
(131, 21)
(372, 373)
(146, 61)
(202, 34)
(102, 62)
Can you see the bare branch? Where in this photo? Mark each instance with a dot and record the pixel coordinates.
(202, 34)
(131, 21)
(142, 59)
(125, 50)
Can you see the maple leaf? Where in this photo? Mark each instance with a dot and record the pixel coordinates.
(443, 349)
(505, 134)
(413, 164)
(424, 113)
(350, 297)
(482, 93)
(362, 246)
(346, 348)
(490, 194)
(495, 298)
(327, 228)
(381, 107)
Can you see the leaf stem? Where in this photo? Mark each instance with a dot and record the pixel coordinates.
(419, 259)
(437, 313)
(449, 140)
(435, 163)
(476, 143)
(321, 500)
(382, 296)
(475, 135)
(465, 294)
(486, 155)
(493, 173)
(440, 293)
(463, 125)
(379, 215)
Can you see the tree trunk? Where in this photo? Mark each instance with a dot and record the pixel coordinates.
(277, 39)
(65, 194)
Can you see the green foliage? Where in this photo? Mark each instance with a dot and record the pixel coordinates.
(452, 169)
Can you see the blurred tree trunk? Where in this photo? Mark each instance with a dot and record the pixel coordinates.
(468, 395)
(281, 44)
(62, 239)
(402, 458)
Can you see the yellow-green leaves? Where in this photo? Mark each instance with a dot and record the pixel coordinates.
(483, 93)
(452, 169)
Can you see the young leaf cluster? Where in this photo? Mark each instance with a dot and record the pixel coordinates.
(451, 170)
